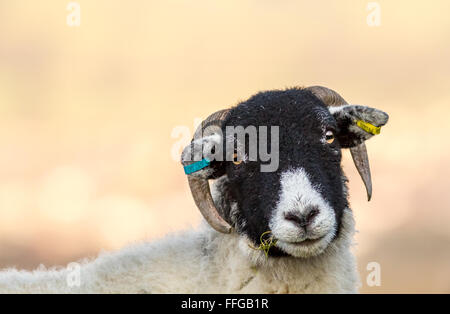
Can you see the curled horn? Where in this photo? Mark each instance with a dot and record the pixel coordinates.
(359, 152)
(199, 186)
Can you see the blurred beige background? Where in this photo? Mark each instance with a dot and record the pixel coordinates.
(87, 113)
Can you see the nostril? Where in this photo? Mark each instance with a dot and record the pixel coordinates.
(312, 214)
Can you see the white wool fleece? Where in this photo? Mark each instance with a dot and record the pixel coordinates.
(201, 261)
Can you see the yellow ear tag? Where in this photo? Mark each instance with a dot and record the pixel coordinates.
(266, 244)
(369, 128)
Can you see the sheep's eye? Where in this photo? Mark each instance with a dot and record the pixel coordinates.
(235, 160)
(329, 137)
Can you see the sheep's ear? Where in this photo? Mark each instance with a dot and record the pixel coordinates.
(357, 124)
(203, 157)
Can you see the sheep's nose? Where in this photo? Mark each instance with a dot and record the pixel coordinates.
(305, 218)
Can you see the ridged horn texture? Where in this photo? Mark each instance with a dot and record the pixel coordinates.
(200, 187)
(359, 153)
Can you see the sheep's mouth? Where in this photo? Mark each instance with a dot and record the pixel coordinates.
(306, 242)
(306, 248)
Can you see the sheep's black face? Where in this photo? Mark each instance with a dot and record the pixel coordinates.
(302, 201)
(301, 196)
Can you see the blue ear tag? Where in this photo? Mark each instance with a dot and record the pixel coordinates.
(196, 166)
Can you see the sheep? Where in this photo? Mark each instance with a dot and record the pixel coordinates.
(283, 230)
